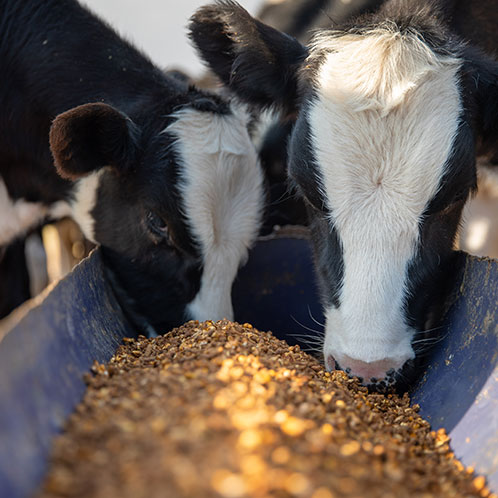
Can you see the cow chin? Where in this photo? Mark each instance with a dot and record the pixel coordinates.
(210, 305)
(376, 355)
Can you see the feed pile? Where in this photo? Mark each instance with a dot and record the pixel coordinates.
(223, 410)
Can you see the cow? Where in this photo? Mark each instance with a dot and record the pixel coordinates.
(161, 175)
(391, 108)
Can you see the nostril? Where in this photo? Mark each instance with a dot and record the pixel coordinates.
(330, 363)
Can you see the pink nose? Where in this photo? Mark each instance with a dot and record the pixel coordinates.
(369, 372)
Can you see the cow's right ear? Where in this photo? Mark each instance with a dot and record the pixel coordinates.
(258, 63)
(91, 136)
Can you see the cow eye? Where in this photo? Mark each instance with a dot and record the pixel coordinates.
(158, 227)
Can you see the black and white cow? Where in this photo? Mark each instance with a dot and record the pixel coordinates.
(163, 176)
(390, 109)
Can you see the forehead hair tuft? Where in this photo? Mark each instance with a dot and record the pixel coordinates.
(375, 69)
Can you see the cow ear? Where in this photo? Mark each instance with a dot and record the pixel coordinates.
(486, 82)
(91, 136)
(258, 63)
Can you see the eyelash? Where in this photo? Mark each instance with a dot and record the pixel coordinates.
(153, 221)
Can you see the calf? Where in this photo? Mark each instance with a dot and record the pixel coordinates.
(163, 176)
(390, 108)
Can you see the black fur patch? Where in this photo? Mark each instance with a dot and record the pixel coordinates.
(441, 220)
(256, 61)
(91, 136)
(14, 281)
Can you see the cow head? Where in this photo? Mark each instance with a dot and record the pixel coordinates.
(383, 154)
(173, 195)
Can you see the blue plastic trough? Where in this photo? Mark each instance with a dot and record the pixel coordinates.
(44, 356)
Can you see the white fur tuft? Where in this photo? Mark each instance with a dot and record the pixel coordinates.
(378, 70)
(85, 197)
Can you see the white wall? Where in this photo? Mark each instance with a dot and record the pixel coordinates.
(158, 27)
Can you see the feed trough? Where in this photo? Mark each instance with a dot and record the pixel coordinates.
(44, 355)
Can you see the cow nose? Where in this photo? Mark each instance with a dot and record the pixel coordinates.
(368, 372)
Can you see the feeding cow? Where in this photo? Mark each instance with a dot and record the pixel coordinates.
(390, 108)
(301, 19)
(163, 176)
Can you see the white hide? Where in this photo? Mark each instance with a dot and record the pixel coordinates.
(19, 216)
(84, 199)
(221, 185)
(382, 129)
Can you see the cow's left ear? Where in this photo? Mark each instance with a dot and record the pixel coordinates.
(91, 136)
(486, 84)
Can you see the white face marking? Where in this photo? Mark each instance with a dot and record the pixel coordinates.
(19, 216)
(85, 196)
(221, 185)
(382, 129)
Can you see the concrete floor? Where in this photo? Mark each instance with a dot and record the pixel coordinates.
(158, 27)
